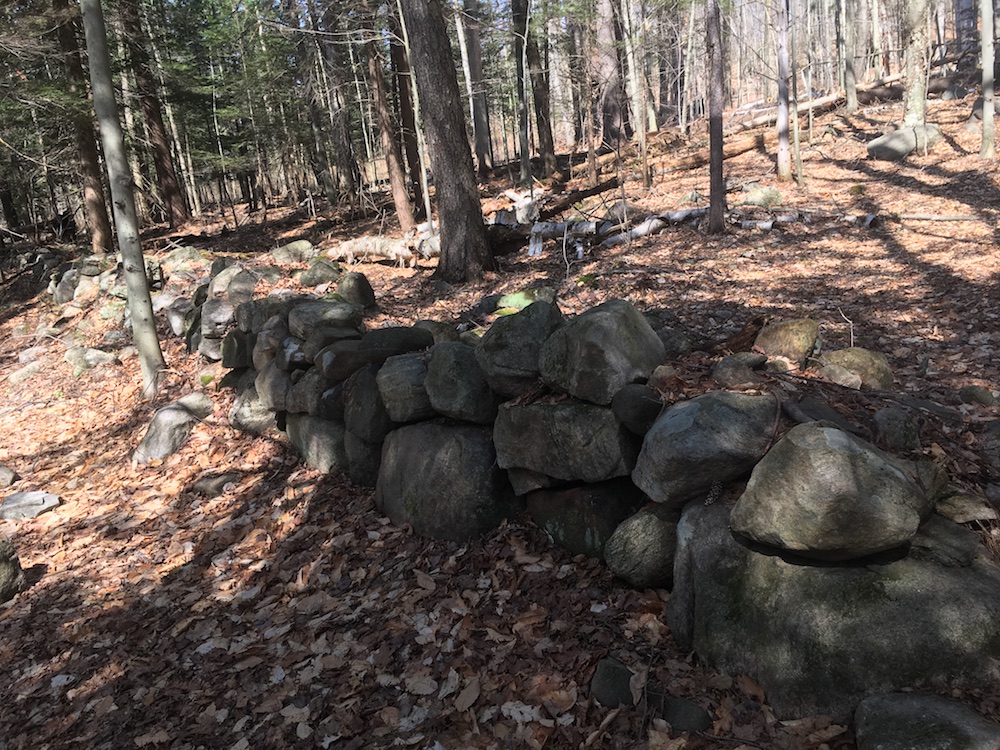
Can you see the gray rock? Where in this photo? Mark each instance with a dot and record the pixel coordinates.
(508, 353)
(962, 507)
(525, 480)
(343, 358)
(305, 394)
(828, 495)
(676, 343)
(220, 264)
(442, 332)
(237, 349)
(322, 271)
(637, 407)
(793, 340)
(253, 315)
(820, 638)
(214, 485)
(318, 441)
(897, 430)
(681, 714)
(267, 343)
(83, 358)
(210, 349)
(355, 288)
(976, 394)
(7, 476)
(217, 314)
(321, 338)
(235, 284)
(946, 543)
(363, 460)
(730, 372)
(19, 505)
(641, 549)
(954, 91)
(401, 383)
(443, 481)
(24, 374)
(841, 376)
(306, 317)
(12, 579)
(599, 351)
(364, 411)
(899, 144)
(910, 721)
(177, 315)
(610, 685)
(871, 367)
(456, 384)
(63, 290)
(250, 414)
(574, 442)
(273, 384)
(398, 340)
(171, 426)
(713, 438)
(331, 403)
(290, 356)
(582, 519)
(297, 251)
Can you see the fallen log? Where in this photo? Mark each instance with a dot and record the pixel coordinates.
(568, 200)
(403, 250)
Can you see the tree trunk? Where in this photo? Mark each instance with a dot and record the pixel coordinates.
(917, 41)
(94, 207)
(519, 16)
(717, 185)
(543, 111)
(407, 117)
(145, 83)
(465, 252)
(784, 145)
(140, 306)
(847, 45)
(386, 126)
(612, 106)
(988, 148)
(480, 110)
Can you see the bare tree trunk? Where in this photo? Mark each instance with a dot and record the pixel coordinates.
(717, 186)
(540, 98)
(387, 128)
(94, 206)
(848, 39)
(988, 148)
(480, 110)
(784, 145)
(407, 115)
(149, 99)
(140, 306)
(465, 252)
(612, 105)
(519, 16)
(917, 41)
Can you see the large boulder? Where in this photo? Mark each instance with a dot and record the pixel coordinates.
(509, 351)
(828, 495)
(444, 481)
(250, 414)
(272, 384)
(716, 437)
(305, 394)
(599, 351)
(11, 576)
(819, 638)
(573, 442)
(456, 384)
(581, 519)
(318, 441)
(908, 721)
(306, 317)
(363, 459)
(171, 426)
(899, 144)
(234, 284)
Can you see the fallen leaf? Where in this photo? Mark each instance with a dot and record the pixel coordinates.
(469, 695)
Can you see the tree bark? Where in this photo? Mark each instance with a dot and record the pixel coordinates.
(717, 184)
(612, 105)
(988, 148)
(149, 99)
(543, 108)
(140, 306)
(386, 126)
(465, 252)
(407, 116)
(784, 143)
(917, 41)
(480, 109)
(519, 16)
(94, 207)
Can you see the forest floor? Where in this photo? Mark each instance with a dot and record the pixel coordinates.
(286, 612)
